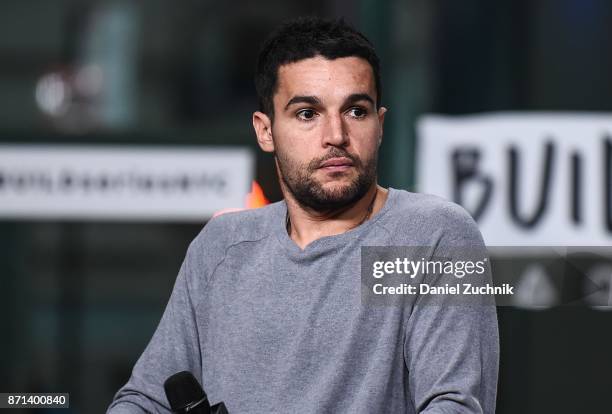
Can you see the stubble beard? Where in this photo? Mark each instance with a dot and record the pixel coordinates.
(300, 181)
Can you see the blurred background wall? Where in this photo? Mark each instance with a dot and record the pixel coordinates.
(81, 298)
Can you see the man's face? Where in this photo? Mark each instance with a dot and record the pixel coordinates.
(326, 130)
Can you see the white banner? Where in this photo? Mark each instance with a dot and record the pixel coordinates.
(527, 178)
(122, 182)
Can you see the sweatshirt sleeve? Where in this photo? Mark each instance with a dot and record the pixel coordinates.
(174, 347)
(452, 350)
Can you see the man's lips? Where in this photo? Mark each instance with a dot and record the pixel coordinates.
(337, 164)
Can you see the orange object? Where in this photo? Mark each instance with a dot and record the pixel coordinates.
(256, 198)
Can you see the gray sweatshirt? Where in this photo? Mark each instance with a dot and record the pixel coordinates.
(269, 328)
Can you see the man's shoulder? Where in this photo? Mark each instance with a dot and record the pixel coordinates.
(244, 225)
(419, 217)
(226, 230)
(429, 208)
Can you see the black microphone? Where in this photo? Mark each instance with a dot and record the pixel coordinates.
(186, 396)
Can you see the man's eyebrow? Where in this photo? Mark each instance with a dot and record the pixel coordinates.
(312, 100)
(356, 97)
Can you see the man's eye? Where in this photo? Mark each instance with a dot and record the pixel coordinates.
(306, 114)
(357, 112)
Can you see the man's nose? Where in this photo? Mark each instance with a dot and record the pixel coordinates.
(335, 132)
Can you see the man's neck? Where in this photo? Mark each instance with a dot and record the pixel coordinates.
(306, 226)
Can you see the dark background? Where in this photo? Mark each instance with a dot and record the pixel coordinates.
(80, 300)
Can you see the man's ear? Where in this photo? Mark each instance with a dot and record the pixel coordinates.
(263, 129)
(381, 120)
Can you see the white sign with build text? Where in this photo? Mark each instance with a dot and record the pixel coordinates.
(526, 178)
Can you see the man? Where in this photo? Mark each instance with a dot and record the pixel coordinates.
(267, 311)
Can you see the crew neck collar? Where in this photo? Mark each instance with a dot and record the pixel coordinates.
(326, 243)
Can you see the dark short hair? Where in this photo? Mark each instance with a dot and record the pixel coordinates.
(304, 38)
